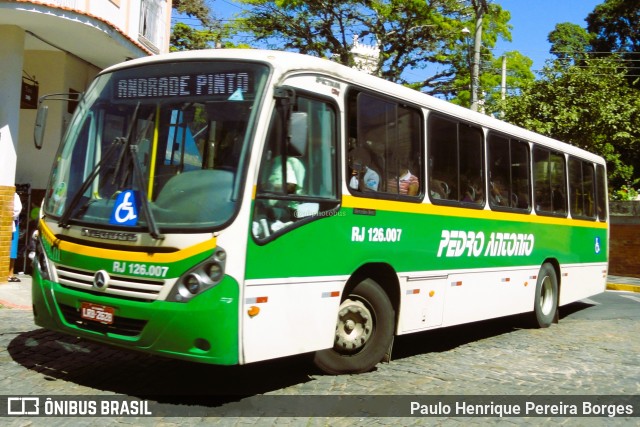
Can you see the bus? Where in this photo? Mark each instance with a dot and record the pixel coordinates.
(235, 206)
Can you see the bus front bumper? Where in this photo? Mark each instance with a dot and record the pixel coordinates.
(205, 329)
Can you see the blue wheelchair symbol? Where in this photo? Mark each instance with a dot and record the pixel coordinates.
(597, 248)
(125, 212)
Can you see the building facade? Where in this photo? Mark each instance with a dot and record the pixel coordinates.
(58, 46)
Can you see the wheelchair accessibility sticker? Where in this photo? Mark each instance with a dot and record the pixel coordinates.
(597, 246)
(125, 211)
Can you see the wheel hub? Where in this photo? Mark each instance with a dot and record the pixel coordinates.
(354, 328)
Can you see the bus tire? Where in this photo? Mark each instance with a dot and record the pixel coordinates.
(364, 331)
(546, 299)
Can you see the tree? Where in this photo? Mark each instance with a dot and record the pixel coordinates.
(411, 35)
(184, 37)
(589, 106)
(570, 42)
(518, 74)
(615, 26)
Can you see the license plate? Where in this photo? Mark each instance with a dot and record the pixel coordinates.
(97, 313)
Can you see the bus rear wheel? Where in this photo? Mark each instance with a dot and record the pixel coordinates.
(546, 300)
(364, 331)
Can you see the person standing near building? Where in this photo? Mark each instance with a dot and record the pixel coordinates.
(17, 208)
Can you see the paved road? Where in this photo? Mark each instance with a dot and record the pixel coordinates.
(592, 351)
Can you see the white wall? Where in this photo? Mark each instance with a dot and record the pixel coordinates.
(11, 49)
(34, 165)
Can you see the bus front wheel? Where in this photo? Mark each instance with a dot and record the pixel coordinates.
(546, 300)
(364, 331)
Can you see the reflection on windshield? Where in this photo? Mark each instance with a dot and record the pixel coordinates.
(177, 159)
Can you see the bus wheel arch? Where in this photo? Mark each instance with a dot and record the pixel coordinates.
(365, 324)
(547, 294)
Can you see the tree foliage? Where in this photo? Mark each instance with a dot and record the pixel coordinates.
(589, 106)
(614, 24)
(209, 32)
(570, 42)
(198, 9)
(412, 35)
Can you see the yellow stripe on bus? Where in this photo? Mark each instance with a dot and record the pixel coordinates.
(430, 209)
(123, 254)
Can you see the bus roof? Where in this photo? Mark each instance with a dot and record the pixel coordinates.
(287, 63)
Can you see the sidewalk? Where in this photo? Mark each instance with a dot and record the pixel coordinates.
(18, 295)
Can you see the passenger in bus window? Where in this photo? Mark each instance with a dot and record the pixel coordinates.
(439, 189)
(363, 177)
(496, 194)
(409, 184)
(406, 184)
(473, 193)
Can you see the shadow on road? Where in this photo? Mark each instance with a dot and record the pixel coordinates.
(113, 370)
(445, 339)
(109, 369)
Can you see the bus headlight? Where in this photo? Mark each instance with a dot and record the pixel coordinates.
(192, 283)
(215, 272)
(40, 262)
(203, 276)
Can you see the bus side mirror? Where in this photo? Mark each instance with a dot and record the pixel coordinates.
(41, 121)
(298, 128)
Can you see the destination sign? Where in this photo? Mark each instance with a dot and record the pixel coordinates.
(220, 84)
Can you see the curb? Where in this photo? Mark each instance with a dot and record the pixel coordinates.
(622, 287)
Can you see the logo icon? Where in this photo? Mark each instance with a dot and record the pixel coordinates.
(597, 248)
(23, 406)
(125, 211)
(101, 279)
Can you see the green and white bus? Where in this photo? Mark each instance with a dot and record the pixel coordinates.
(234, 206)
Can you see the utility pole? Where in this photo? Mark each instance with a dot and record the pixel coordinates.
(503, 86)
(480, 8)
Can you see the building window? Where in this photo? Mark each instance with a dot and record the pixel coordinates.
(151, 24)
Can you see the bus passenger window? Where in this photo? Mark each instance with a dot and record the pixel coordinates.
(456, 172)
(508, 173)
(385, 147)
(601, 192)
(549, 182)
(582, 189)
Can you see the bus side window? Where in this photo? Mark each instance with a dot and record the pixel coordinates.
(508, 173)
(601, 192)
(385, 147)
(549, 173)
(456, 172)
(582, 189)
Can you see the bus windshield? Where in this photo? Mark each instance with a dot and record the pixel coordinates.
(161, 146)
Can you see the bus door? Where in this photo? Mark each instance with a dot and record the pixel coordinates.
(292, 289)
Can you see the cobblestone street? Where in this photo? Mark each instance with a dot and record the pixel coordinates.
(592, 351)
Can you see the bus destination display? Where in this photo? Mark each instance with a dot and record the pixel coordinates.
(220, 84)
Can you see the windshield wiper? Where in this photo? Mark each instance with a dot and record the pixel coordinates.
(66, 215)
(127, 160)
(152, 225)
